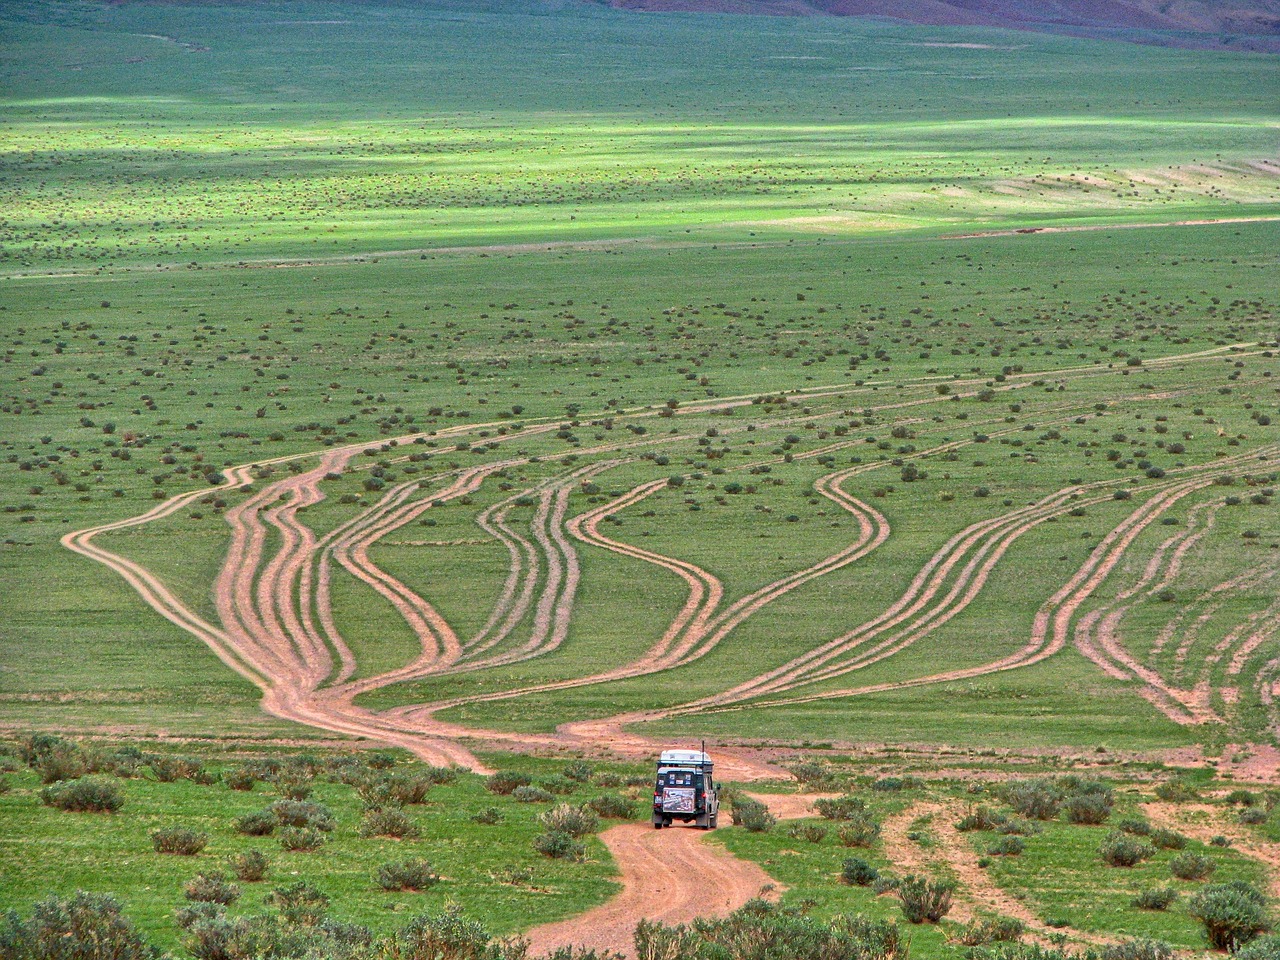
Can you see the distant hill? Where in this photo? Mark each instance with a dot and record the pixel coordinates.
(1218, 24)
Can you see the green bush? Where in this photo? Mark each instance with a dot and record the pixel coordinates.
(392, 822)
(300, 813)
(1034, 799)
(1142, 949)
(840, 808)
(407, 875)
(896, 784)
(1155, 898)
(1232, 914)
(169, 768)
(560, 786)
(579, 770)
(1088, 809)
(240, 779)
(1121, 850)
(1167, 839)
(1177, 791)
(63, 760)
(1242, 798)
(84, 926)
(1253, 816)
(299, 903)
(1260, 948)
(810, 832)
(1006, 847)
(989, 930)
(1139, 828)
(179, 841)
(981, 817)
(86, 795)
(613, 806)
(250, 866)
(565, 818)
(923, 899)
(531, 794)
(1192, 866)
(489, 816)
(861, 831)
(559, 845)
(504, 782)
(260, 824)
(300, 839)
(858, 873)
(752, 815)
(211, 888)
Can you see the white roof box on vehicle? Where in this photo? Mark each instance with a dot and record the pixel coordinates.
(680, 758)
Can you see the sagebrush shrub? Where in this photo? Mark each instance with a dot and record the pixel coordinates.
(978, 933)
(579, 770)
(1192, 866)
(504, 782)
(811, 832)
(250, 866)
(407, 875)
(1232, 914)
(1155, 898)
(857, 872)
(260, 824)
(1034, 799)
(531, 794)
(1139, 828)
(980, 817)
(1260, 948)
(1006, 847)
(1141, 949)
(860, 831)
(180, 841)
(489, 816)
(752, 815)
(300, 839)
(560, 786)
(301, 813)
(559, 845)
(1167, 839)
(613, 806)
(1088, 809)
(84, 926)
(240, 779)
(299, 903)
(565, 818)
(923, 899)
(86, 795)
(211, 888)
(392, 822)
(1121, 850)
(1252, 816)
(840, 808)
(1177, 791)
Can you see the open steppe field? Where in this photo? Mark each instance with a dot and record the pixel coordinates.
(498, 382)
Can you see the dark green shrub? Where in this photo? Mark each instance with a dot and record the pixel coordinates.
(1177, 791)
(531, 794)
(1253, 816)
(293, 787)
(1121, 850)
(444, 936)
(896, 784)
(1139, 828)
(923, 899)
(560, 786)
(86, 795)
(752, 815)
(1155, 898)
(300, 813)
(63, 760)
(981, 817)
(1142, 949)
(1017, 827)
(169, 768)
(1167, 839)
(84, 926)
(504, 782)
(613, 806)
(810, 832)
(1220, 841)
(559, 846)
(1192, 866)
(579, 770)
(1088, 809)
(240, 779)
(299, 903)
(250, 866)
(407, 875)
(408, 789)
(441, 775)
(1034, 799)
(857, 872)
(211, 888)
(179, 841)
(565, 818)
(392, 822)
(1261, 948)
(861, 831)
(300, 839)
(261, 824)
(989, 930)
(1006, 847)
(885, 883)
(1242, 798)
(489, 816)
(1232, 914)
(840, 808)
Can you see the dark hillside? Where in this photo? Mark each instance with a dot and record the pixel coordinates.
(1246, 25)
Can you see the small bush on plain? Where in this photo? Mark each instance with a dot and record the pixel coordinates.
(1121, 850)
(924, 900)
(250, 866)
(504, 782)
(1155, 898)
(1192, 866)
(86, 795)
(392, 822)
(180, 841)
(84, 926)
(407, 875)
(1232, 914)
(300, 839)
(559, 845)
(211, 888)
(858, 873)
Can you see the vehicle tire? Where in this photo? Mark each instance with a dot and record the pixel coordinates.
(714, 818)
(657, 825)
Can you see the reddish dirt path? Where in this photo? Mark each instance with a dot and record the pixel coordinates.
(671, 876)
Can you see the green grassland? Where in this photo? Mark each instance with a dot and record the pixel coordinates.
(249, 233)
